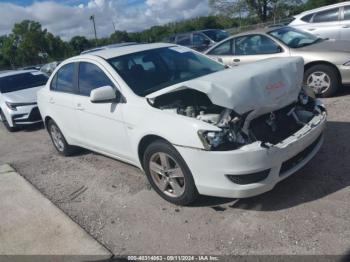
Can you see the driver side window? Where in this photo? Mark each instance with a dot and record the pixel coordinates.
(255, 45)
(91, 77)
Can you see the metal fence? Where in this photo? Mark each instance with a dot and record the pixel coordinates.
(240, 29)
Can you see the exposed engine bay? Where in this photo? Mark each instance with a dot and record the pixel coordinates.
(238, 130)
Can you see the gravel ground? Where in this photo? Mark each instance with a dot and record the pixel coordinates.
(309, 213)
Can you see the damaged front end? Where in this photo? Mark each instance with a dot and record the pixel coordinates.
(265, 104)
(238, 130)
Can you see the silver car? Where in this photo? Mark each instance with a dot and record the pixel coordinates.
(332, 21)
(327, 62)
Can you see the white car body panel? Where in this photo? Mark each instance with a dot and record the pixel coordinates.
(117, 129)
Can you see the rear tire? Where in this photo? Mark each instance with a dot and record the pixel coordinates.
(173, 181)
(6, 123)
(323, 79)
(59, 141)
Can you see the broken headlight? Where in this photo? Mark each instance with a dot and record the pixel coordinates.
(227, 139)
(211, 139)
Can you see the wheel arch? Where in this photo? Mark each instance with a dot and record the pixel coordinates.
(145, 142)
(46, 121)
(321, 62)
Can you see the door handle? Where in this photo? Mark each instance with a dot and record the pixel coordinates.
(79, 107)
(346, 26)
(311, 29)
(236, 60)
(51, 100)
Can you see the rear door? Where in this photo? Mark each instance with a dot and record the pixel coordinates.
(101, 124)
(250, 48)
(345, 24)
(63, 88)
(325, 24)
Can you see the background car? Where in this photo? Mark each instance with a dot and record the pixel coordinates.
(192, 124)
(18, 106)
(199, 40)
(327, 62)
(332, 21)
(49, 67)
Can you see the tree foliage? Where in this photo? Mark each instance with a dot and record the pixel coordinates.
(30, 44)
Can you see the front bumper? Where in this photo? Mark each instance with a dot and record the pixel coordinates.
(210, 168)
(26, 115)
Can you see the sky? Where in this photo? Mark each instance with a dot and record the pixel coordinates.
(68, 18)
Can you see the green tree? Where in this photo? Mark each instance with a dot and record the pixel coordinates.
(263, 9)
(28, 40)
(119, 37)
(79, 44)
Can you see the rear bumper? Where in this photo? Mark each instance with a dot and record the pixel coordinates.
(210, 169)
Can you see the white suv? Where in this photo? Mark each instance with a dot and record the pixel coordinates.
(193, 125)
(332, 21)
(18, 97)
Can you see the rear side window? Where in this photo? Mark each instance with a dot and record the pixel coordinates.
(347, 13)
(91, 77)
(19, 82)
(223, 49)
(327, 16)
(184, 40)
(307, 18)
(63, 81)
(198, 40)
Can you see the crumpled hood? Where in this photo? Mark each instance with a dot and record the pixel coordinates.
(261, 86)
(22, 96)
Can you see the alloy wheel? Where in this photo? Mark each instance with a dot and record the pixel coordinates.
(319, 81)
(57, 138)
(167, 174)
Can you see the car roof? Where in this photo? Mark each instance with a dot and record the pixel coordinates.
(256, 31)
(322, 8)
(197, 31)
(108, 47)
(125, 50)
(17, 72)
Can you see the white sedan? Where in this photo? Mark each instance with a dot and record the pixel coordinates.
(193, 125)
(18, 91)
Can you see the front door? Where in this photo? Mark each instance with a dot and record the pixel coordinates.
(101, 124)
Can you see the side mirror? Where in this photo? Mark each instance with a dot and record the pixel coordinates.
(103, 94)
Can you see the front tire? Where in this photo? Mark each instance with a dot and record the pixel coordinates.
(169, 174)
(6, 123)
(58, 140)
(323, 79)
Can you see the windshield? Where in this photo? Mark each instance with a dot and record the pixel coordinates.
(22, 81)
(152, 70)
(294, 38)
(216, 35)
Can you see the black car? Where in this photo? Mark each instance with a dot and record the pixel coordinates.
(199, 40)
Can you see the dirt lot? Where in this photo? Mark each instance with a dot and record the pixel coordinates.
(309, 213)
